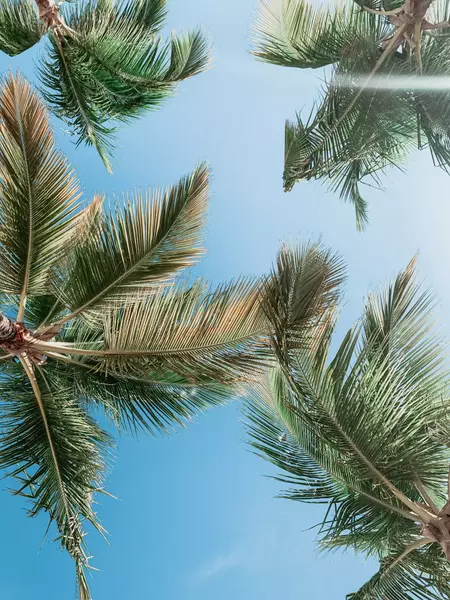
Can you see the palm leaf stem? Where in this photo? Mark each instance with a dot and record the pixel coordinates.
(414, 546)
(417, 47)
(65, 349)
(69, 361)
(26, 278)
(425, 495)
(384, 13)
(448, 484)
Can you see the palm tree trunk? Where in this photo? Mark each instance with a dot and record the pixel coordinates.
(439, 532)
(48, 13)
(7, 329)
(420, 8)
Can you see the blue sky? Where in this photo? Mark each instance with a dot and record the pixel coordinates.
(195, 518)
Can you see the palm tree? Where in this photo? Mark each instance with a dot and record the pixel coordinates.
(94, 319)
(104, 61)
(374, 109)
(366, 433)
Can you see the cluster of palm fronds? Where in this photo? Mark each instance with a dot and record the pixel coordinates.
(375, 108)
(104, 61)
(96, 319)
(366, 432)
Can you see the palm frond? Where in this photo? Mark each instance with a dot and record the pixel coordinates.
(154, 404)
(276, 441)
(316, 468)
(20, 27)
(38, 194)
(57, 452)
(189, 55)
(371, 114)
(139, 247)
(293, 34)
(378, 132)
(120, 40)
(397, 323)
(301, 294)
(414, 573)
(195, 333)
(71, 96)
(149, 13)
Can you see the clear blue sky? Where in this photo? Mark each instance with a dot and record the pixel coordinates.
(195, 519)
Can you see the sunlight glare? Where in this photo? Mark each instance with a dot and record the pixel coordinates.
(383, 82)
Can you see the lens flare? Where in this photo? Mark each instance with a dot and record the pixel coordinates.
(397, 82)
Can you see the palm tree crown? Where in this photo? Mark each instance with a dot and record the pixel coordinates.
(374, 110)
(93, 318)
(104, 61)
(366, 432)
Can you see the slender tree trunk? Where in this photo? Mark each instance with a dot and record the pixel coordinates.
(7, 329)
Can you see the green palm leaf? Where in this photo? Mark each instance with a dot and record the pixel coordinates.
(151, 403)
(141, 246)
(359, 152)
(301, 294)
(60, 451)
(67, 91)
(194, 333)
(104, 61)
(381, 129)
(38, 194)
